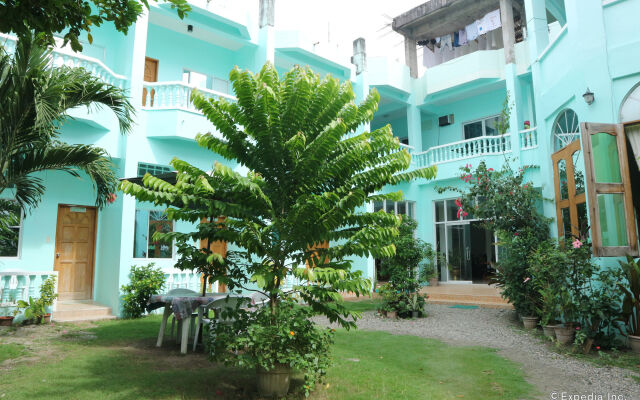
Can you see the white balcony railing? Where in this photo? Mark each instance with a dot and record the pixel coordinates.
(20, 285)
(176, 278)
(485, 145)
(529, 139)
(64, 56)
(175, 95)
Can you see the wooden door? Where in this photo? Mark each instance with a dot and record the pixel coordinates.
(219, 247)
(150, 75)
(75, 250)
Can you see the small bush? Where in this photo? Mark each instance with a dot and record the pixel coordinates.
(145, 281)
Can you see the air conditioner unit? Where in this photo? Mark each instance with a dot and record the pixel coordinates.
(445, 120)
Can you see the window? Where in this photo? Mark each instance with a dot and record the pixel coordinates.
(153, 169)
(566, 129)
(205, 81)
(571, 201)
(609, 189)
(484, 127)
(396, 207)
(147, 223)
(10, 238)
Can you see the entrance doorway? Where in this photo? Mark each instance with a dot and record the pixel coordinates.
(75, 249)
(469, 249)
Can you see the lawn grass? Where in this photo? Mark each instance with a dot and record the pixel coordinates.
(11, 350)
(368, 304)
(118, 360)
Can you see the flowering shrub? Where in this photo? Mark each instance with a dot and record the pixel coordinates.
(144, 282)
(507, 205)
(264, 338)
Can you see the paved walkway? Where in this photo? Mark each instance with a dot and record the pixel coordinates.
(498, 328)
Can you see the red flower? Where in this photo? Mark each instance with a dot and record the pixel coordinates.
(597, 347)
(490, 170)
(458, 203)
(511, 193)
(516, 234)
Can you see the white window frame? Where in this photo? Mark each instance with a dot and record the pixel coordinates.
(484, 125)
(20, 229)
(159, 168)
(173, 244)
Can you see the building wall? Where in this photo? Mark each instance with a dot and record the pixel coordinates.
(594, 49)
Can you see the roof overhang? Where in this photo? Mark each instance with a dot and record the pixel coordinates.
(437, 18)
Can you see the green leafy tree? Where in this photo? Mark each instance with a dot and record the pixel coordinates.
(46, 17)
(310, 176)
(35, 102)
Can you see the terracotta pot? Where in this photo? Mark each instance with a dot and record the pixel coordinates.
(433, 282)
(274, 382)
(392, 314)
(530, 322)
(6, 320)
(549, 331)
(46, 319)
(564, 334)
(634, 342)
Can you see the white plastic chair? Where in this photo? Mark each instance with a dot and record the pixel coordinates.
(228, 302)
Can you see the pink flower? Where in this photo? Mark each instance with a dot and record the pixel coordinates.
(577, 244)
(597, 347)
(490, 170)
(111, 198)
(526, 280)
(468, 166)
(577, 328)
(526, 185)
(516, 234)
(458, 203)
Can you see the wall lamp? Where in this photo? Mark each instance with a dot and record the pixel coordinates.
(189, 28)
(589, 97)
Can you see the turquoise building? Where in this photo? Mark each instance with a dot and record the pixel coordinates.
(562, 62)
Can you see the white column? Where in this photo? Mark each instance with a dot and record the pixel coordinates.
(508, 31)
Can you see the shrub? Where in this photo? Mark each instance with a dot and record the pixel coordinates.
(144, 282)
(264, 338)
(405, 276)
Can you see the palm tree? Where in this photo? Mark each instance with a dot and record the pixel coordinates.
(35, 99)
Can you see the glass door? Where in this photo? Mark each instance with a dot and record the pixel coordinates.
(459, 252)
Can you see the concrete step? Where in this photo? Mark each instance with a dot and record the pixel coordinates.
(483, 304)
(468, 297)
(81, 310)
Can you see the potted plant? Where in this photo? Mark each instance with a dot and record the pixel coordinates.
(548, 311)
(34, 310)
(48, 295)
(630, 314)
(565, 333)
(416, 305)
(6, 319)
(273, 342)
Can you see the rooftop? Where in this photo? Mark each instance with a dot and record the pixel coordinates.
(437, 18)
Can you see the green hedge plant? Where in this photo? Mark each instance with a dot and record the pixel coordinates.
(144, 282)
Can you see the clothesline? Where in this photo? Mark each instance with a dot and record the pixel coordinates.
(442, 49)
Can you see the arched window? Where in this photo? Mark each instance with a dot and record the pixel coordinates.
(630, 109)
(566, 129)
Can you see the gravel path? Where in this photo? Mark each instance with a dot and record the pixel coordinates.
(545, 369)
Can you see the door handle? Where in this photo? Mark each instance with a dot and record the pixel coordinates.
(57, 255)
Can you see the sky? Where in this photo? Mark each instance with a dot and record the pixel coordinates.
(336, 23)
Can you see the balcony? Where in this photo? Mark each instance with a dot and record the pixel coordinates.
(171, 115)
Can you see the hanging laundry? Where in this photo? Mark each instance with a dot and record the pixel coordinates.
(462, 37)
(445, 41)
(431, 58)
(489, 22)
(472, 31)
(456, 38)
